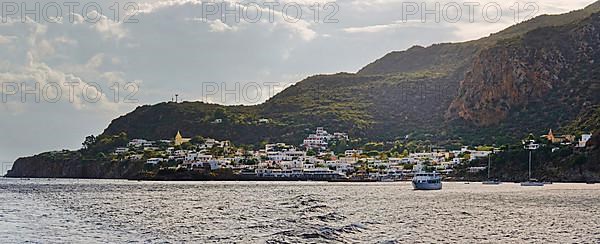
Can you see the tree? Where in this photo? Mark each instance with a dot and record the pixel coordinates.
(340, 146)
(197, 140)
(88, 142)
(187, 146)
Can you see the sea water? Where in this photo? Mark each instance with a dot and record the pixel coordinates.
(100, 211)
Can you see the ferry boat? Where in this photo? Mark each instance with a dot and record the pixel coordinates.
(427, 181)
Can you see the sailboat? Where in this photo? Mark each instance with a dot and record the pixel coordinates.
(490, 181)
(530, 146)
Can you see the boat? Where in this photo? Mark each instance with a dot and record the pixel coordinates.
(532, 182)
(530, 146)
(427, 181)
(490, 181)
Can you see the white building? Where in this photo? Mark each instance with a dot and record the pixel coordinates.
(154, 161)
(318, 140)
(121, 150)
(480, 154)
(349, 160)
(135, 157)
(584, 139)
(353, 153)
(137, 143)
(339, 166)
(193, 157)
(295, 164)
(212, 164)
(340, 136)
(456, 161)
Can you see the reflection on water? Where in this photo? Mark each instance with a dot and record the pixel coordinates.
(42, 210)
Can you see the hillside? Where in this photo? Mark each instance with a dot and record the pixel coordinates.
(456, 57)
(536, 75)
(339, 102)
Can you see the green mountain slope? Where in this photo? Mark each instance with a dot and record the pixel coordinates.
(539, 74)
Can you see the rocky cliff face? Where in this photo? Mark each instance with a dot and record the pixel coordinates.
(41, 166)
(513, 74)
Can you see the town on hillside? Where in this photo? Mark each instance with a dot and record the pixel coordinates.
(321, 156)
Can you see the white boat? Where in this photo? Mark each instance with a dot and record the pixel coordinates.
(490, 181)
(427, 181)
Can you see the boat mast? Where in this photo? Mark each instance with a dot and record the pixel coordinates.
(530, 146)
(489, 165)
(529, 164)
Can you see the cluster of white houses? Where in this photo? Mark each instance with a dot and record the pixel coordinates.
(321, 138)
(283, 160)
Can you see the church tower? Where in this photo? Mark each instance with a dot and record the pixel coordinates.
(178, 139)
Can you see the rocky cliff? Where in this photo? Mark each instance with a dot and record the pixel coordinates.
(47, 166)
(518, 72)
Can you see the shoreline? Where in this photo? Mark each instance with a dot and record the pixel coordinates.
(257, 179)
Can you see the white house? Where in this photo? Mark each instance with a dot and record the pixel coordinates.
(135, 157)
(213, 164)
(137, 142)
(476, 169)
(317, 140)
(194, 156)
(456, 161)
(350, 160)
(352, 153)
(154, 161)
(340, 136)
(151, 148)
(295, 164)
(480, 154)
(121, 150)
(584, 139)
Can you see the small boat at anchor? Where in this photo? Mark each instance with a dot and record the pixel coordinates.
(532, 182)
(530, 146)
(489, 167)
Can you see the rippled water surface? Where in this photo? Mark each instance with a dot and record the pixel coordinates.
(84, 211)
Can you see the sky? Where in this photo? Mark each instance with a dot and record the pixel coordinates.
(66, 71)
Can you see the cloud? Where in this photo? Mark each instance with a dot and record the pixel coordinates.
(108, 28)
(7, 39)
(219, 26)
(385, 27)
